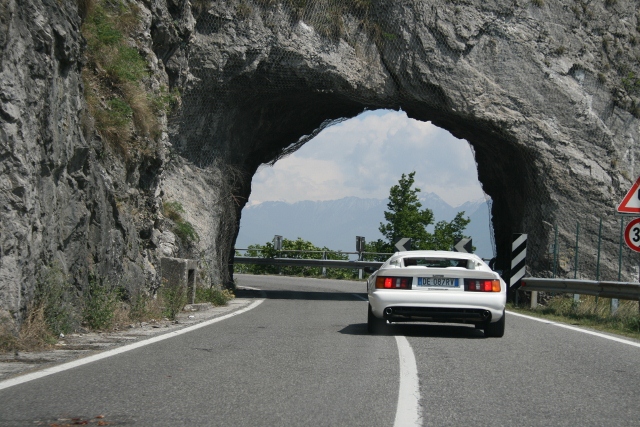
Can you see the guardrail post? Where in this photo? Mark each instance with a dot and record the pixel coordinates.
(324, 269)
(615, 302)
(534, 299)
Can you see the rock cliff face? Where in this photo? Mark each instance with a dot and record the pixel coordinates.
(545, 91)
(66, 201)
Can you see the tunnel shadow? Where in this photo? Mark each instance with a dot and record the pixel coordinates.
(425, 330)
(300, 295)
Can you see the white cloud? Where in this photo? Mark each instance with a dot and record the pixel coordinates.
(365, 156)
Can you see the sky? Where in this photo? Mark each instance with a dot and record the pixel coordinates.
(365, 156)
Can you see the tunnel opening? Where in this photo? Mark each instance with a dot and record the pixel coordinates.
(336, 186)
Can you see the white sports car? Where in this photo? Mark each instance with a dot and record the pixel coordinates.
(437, 286)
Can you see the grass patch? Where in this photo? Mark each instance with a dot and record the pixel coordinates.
(217, 297)
(33, 335)
(143, 307)
(125, 113)
(589, 312)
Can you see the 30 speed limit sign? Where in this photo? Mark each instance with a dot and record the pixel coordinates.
(632, 235)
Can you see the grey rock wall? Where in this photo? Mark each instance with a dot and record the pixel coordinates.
(66, 202)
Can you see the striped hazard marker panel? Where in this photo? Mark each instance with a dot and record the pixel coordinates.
(518, 258)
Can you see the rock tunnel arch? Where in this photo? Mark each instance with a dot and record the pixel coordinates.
(553, 141)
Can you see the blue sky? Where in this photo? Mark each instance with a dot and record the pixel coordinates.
(366, 155)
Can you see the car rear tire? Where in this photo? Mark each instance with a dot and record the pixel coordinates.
(496, 329)
(375, 326)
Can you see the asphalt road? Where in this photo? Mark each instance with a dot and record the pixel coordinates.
(302, 357)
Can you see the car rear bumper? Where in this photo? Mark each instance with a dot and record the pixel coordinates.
(434, 306)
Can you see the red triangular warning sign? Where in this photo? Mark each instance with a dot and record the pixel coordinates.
(631, 202)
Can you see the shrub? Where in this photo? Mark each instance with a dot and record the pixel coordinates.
(100, 303)
(55, 296)
(173, 211)
(173, 300)
(183, 229)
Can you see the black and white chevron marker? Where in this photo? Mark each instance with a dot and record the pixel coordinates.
(464, 246)
(404, 244)
(518, 258)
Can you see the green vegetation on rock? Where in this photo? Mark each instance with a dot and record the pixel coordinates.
(116, 79)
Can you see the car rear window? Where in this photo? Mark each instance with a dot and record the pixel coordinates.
(435, 262)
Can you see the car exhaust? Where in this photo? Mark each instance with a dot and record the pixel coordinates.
(486, 315)
(388, 312)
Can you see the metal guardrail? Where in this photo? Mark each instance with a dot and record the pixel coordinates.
(619, 290)
(331, 263)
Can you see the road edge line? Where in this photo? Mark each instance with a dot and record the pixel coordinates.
(113, 352)
(573, 328)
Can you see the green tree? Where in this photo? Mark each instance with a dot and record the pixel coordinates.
(405, 218)
(446, 234)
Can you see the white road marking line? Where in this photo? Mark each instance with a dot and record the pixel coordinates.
(74, 364)
(573, 328)
(408, 410)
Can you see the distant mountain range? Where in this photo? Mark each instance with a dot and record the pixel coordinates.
(336, 223)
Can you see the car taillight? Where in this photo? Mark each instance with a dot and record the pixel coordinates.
(394, 282)
(481, 285)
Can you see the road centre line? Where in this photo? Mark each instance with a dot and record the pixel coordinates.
(408, 407)
(573, 328)
(86, 360)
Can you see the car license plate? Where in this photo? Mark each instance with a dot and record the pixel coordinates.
(441, 282)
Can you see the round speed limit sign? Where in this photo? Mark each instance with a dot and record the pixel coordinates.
(632, 235)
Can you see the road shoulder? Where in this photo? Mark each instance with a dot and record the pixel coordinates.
(77, 346)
